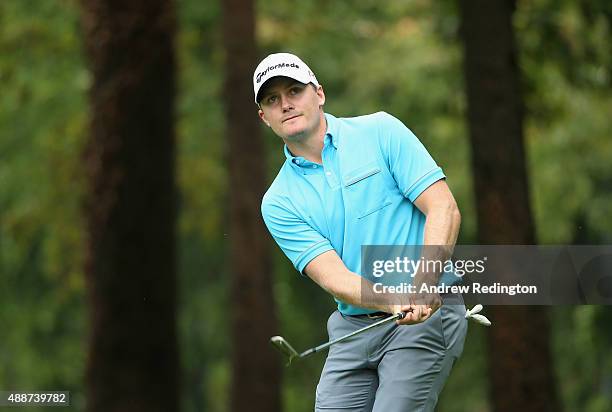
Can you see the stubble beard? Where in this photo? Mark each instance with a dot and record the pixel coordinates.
(306, 133)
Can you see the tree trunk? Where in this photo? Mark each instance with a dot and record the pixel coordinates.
(521, 373)
(255, 366)
(133, 360)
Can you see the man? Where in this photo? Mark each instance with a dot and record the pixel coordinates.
(349, 182)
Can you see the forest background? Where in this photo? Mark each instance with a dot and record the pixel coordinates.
(403, 57)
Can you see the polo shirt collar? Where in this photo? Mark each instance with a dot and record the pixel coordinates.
(332, 129)
(291, 158)
(332, 132)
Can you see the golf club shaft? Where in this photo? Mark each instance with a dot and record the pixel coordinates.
(310, 351)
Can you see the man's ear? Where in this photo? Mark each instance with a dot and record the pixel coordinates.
(262, 116)
(321, 95)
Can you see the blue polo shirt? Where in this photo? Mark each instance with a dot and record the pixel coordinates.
(373, 169)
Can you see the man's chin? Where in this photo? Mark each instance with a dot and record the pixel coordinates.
(295, 134)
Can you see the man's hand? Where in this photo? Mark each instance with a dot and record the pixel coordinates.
(421, 307)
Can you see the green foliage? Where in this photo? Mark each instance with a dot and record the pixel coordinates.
(42, 118)
(566, 64)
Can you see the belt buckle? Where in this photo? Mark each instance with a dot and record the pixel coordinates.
(376, 315)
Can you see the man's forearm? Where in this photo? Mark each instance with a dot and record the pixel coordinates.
(441, 230)
(330, 273)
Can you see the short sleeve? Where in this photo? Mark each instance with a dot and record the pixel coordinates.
(410, 164)
(297, 239)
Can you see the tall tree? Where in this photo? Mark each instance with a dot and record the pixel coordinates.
(133, 360)
(255, 368)
(519, 355)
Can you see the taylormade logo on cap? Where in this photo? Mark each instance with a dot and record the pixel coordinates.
(281, 64)
(278, 66)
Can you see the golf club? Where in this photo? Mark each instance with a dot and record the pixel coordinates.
(473, 314)
(284, 347)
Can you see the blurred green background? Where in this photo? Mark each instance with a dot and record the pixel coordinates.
(403, 57)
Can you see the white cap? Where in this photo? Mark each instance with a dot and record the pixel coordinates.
(282, 64)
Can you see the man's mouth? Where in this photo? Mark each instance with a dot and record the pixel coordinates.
(291, 117)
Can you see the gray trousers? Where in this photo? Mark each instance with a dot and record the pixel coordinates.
(390, 368)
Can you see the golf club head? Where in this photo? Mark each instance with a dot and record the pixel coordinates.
(473, 315)
(284, 347)
(474, 310)
(481, 319)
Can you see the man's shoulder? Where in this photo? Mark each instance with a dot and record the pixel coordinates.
(366, 126)
(366, 119)
(360, 135)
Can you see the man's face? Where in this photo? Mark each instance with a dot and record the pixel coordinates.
(292, 109)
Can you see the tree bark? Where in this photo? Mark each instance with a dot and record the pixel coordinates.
(520, 366)
(256, 374)
(133, 362)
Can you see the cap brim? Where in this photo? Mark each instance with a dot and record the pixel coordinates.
(301, 79)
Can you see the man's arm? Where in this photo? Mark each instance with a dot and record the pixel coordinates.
(442, 215)
(441, 230)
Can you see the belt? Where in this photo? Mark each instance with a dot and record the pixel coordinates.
(375, 315)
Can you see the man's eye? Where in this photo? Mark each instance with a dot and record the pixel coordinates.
(295, 90)
(271, 99)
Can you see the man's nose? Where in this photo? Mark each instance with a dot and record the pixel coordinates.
(286, 103)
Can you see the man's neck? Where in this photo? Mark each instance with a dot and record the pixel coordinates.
(309, 147)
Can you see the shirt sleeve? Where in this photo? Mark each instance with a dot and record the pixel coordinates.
(297, 239)
(410, 164)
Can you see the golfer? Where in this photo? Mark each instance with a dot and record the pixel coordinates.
(348, 182)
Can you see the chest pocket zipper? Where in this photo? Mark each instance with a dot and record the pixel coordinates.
(364, 176)
(376, 198)
(374, 209)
